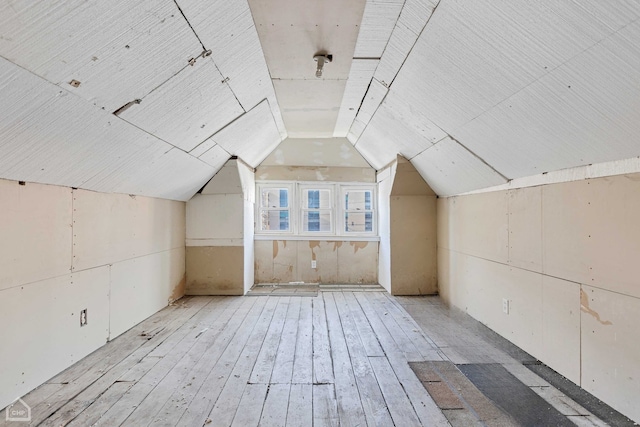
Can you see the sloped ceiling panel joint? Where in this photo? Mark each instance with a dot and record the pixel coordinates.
(376, 93)
(359, 81)
(227, 28)
(451, 169)
(378, 21)
(189, 108)
(411, 23)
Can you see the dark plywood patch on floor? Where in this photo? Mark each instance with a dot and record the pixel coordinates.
(513, 397)
(591, 403)
(469, 406)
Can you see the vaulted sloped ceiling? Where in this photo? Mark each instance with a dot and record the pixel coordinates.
(152, 97)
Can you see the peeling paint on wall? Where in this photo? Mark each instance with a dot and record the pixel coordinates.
(584, 307)
(336, 245)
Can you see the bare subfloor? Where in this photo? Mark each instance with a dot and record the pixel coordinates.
(342, 357)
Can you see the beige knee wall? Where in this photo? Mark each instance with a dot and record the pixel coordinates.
(565, 257)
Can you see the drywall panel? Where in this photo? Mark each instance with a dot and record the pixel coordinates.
(450, 169)
(487, 283)
(357, 262)
(567, 231)
(310, 173)
(479, 226)
(414, 16)
(413, 244)
(446, 272)
(561, 326)
(215, 216)
(309, 106)
(144, 285)
(36, 232)
(41, 332)
(252, 136)
(445, 231)
(525, 228)
(289, 46)
(378, 21)
(110, 48)
(189, 108)
(248, 243)
(325, 254)
(610, 348)
(215, 270)
(315, 152)
(108, 228)
(579, 114)
(226, 181)
(372, 100)
(263, 263)
(228, 29)
(284, 256)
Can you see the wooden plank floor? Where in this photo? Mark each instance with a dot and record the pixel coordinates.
(339, 358)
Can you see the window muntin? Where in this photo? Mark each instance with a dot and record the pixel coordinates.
(274, 209)
(316, 209)
(357, 205)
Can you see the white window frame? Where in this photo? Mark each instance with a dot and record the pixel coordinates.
(343, 211)
(338, 211)
(259, 208)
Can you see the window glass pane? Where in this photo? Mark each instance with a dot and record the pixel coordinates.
(274, 198)
(316, 199)
(358, 222)
(357, 200)
(317, 221)
(277, 220)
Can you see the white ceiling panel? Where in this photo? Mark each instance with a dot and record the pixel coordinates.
(473, 55)
(450, 169)
(357, 127)
(293, 31)
(227, 28)
(310, 107)
(586, 111)
(215, 156)
(187, 109)
(252, 136)
(395, 130)
(359, 80)
(175, 175)
(315, 152)
(118, 51)
(414, 16)
(379, 18)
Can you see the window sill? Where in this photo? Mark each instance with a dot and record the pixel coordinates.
(328, 238)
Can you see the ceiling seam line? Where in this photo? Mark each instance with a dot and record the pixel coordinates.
(432, 145)
(374, 112)
(189, 24)
(414, 43)
(479, 158)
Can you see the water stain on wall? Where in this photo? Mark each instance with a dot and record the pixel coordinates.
(275, 249)
(313, 244)
(336, 245)
(358, 245)
(584, 306)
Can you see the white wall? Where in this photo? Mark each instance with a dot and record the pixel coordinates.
(385, 185)
(565, 256)
(120, 257)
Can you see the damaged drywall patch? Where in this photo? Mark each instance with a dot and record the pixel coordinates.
(358, 245)
(584, 307)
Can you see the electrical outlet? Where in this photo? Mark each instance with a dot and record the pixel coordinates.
(83, 317)
(505, 306)
(313, 263)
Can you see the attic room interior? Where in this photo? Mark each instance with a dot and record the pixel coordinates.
(363, 212)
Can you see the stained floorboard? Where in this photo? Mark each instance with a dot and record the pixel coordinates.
(339, 358)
